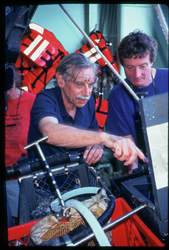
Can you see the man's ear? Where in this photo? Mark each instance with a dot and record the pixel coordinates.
(60, 80)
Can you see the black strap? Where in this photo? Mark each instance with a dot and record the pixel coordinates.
(81, 51)
(100, 95)
(49, 65)
(30, 38)
(88, 46)
(22, 68)
(139, 131)
(38, 77)
(24, 44)
(112, 61)
(102, 49)
(154, 86)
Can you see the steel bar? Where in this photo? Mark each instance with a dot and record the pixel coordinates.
(101, 54)
(162, 20)
(36, 143)
(112, 224)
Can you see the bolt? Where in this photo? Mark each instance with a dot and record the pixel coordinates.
(165, 234)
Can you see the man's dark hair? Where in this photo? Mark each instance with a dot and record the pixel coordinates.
(137, 44)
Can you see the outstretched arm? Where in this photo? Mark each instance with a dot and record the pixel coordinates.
(68, 136)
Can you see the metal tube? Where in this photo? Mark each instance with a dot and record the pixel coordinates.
(162, 20)
(112, 224)
(125, 216)
(101, 54)
(40, 152)
(36, 143)
(50, 175)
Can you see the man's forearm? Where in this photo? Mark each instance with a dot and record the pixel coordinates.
(67, 136)
(71, 137)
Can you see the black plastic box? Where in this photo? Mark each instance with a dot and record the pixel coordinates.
(136, 189)
(116, 183)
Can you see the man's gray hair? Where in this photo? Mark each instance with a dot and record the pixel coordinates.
(73, 63)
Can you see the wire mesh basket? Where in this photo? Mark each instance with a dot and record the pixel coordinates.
(37, 191)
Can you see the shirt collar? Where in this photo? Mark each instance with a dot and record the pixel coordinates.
(60, 101)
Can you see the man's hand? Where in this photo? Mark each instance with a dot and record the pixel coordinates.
(93, 154)
(125, 150)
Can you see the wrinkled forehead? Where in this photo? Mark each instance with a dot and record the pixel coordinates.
(85, 75)
(85, 79)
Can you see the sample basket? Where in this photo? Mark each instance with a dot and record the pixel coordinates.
(130, 232)
(39, 187)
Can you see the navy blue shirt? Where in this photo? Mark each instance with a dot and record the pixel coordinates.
(121, 111)
(49, 102)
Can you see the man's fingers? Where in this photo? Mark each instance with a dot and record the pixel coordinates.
(126, 150)
(118, 150)
(122, 150)
(95, 157)
(86, 152)
(141, 155)
(138, 153)
(93, 154)
(130, 159)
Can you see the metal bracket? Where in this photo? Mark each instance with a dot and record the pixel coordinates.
(147, 203)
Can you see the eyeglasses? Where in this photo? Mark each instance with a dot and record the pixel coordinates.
(80, 84)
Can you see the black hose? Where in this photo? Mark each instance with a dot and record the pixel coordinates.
(81, 232)
(25, 166)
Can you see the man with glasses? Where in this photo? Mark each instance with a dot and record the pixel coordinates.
(66, 114)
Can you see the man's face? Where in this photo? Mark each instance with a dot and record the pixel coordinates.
(77, 91)
(138, 71)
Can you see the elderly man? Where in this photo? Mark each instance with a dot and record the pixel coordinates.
(137, 53)
(66, 114)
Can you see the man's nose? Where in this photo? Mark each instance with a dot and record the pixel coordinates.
(86, 90)
(137, 72)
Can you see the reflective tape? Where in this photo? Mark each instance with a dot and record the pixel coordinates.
(40, 49)
(90, 52)
(33, 45)
(36, 27)
(95, 58)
